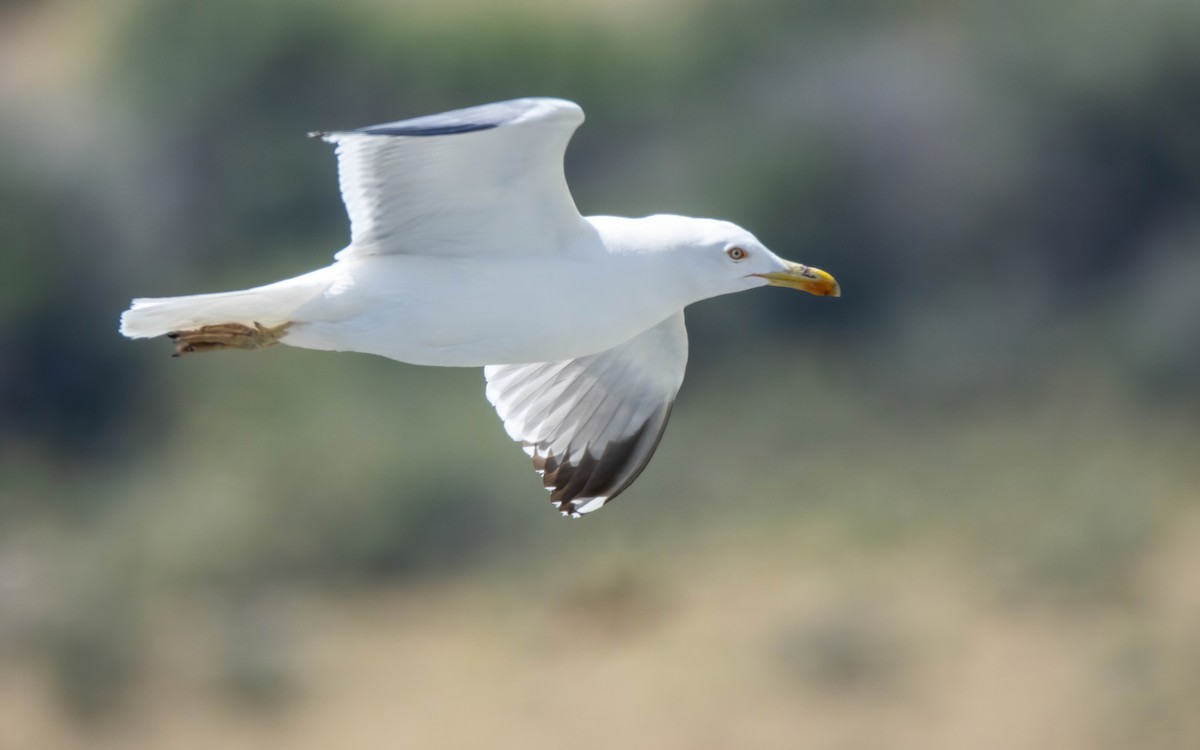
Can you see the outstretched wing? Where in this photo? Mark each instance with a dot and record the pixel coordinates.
(591, 424)
(481, 180)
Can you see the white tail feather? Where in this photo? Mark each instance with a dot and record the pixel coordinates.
(269, 305)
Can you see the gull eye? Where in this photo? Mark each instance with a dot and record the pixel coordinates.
(736, 253)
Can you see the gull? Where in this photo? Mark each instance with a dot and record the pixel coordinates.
(466, 250)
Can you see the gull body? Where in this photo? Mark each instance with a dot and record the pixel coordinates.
(471, 312)
(467, 250)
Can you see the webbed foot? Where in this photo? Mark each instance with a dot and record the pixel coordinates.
(227, 336)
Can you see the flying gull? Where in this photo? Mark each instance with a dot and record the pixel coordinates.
(466, 250)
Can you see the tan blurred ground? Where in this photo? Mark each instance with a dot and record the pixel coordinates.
(759, 639)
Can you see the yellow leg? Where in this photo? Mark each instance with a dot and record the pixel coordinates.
(226, 336)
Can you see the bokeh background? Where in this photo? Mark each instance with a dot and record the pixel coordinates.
(957, 508)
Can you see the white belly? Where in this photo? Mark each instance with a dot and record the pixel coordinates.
(472, 312)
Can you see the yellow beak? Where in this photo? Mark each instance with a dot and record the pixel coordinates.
(805, 278)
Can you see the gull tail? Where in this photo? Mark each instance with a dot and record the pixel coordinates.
(271, 305)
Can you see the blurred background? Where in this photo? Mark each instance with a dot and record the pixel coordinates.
(957, 508)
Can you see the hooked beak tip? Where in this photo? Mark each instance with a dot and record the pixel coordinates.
(806, 279)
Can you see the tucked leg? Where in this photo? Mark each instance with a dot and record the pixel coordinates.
(226, 336)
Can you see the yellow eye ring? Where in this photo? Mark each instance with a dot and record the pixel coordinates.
(736, 253)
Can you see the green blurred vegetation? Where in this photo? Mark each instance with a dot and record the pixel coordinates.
(1008, 193)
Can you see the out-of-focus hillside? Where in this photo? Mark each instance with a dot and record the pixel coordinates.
(753, 637)
(953, 508)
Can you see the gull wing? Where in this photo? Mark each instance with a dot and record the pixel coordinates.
(481, 180)
(591, 424)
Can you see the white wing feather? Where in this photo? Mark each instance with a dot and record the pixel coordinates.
(482, 179)
(591, 424)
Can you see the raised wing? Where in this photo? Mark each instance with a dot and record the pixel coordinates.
(591, 424)
(482, 180)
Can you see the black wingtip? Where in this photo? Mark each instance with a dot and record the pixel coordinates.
(412, 128)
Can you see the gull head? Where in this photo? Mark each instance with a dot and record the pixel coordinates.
(715, 257)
